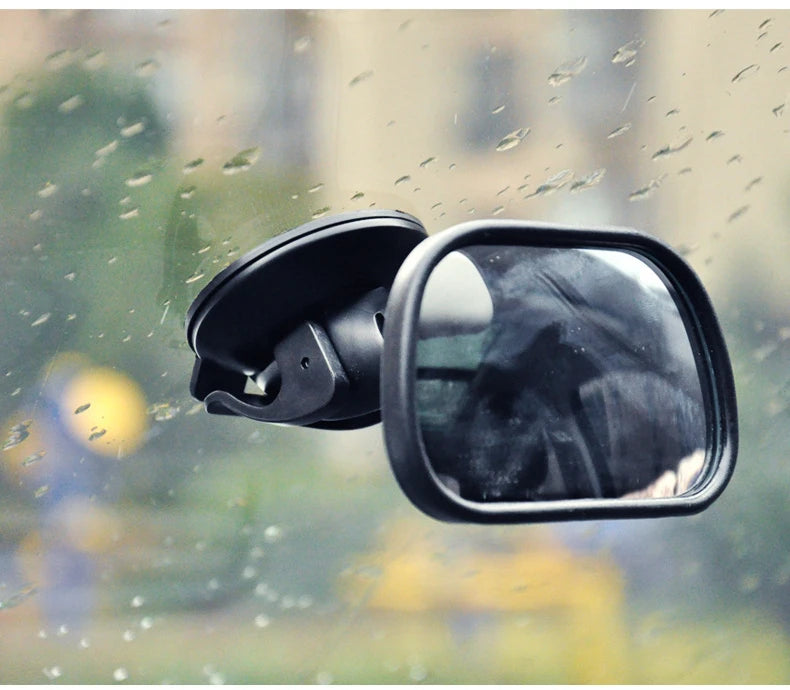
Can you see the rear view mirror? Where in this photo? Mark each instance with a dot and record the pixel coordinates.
(539, 373)
(523, 372)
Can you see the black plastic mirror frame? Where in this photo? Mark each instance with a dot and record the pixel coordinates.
(402, 433)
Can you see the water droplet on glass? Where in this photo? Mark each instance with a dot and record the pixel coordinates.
(192, 166)
(41, 320)
(58, 60)
(427, 162)
(128, 636)
(497, 211)
(120, 674)
(242, 161)
(95, 60)
(646, 191)
(164, 411)
(628, 52)
(775, 46)
(498, 110)
(735, 159)
(85, 643)
(139, 179)
(737, 213)
(357, 196)
(47, 190)
(147, 68)
(361, 77)
(765, 24)
(24, 100)
(97, 434)
(18, 433)
(512, 140)
(131, 213)
(71, 104)
(316, 188)
(753, 183)
(137, 601)
(417, 673)
(717, 134)
(588, 181)
(567, 71)
(321, 212)
(402, 179)
(779, 110)
(262, 621)
(554, 183)
(147, 623)
(53, 673)
(622, 129)
(133, 129)
(301, 44)
(82, 408)
(745, 72)
(272, 534)
(194, 278)
(108, 149)
(41, 491)
(187, 192)
(670, 149)
(32, 459)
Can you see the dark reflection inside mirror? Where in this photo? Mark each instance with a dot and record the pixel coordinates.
(553, 373)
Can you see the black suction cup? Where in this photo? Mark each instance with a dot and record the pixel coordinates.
(291, 332)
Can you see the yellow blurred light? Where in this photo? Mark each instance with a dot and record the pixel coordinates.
(105, 411)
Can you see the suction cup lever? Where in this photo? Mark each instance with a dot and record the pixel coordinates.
(292, 332)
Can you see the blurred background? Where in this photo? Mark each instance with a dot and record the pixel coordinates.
(144, 541)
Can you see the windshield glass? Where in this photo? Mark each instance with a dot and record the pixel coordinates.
(143, 540)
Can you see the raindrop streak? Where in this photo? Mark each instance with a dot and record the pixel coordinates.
(97, 434)
(108, 149)
(737, 213)
(588, 181)
(19, 432)
(71, 104)
(41, 319)
(551, 185)
(745, 72)
(321, 212)
(361, 77)
(753, 183)
(316, 188)
(513, 139)
(628, 51)
(567, 71)
(776, 46)
(646, 191)
(131, 213)
(427, 162)
(139, 179)
(47, 190)
(402, 179)
(95, 60)
(714, 135)
(622, 129)
(31, 460)
(58, 60)
(133, 129)
(668, 150)
(17, 598)
(147, 68)
(498, 110)
(192, 166)
(242, 161)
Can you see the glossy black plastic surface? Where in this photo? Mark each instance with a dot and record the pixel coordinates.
(313, 274)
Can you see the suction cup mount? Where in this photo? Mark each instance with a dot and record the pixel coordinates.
(292, 331)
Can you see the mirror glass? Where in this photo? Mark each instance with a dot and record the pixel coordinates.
(554, 373)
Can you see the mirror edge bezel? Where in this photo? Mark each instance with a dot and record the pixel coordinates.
(402, 434)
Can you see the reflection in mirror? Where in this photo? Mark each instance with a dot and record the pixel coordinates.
(554, 373)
